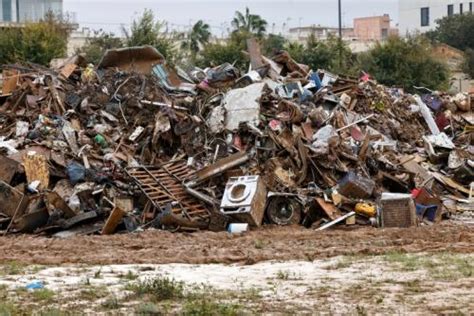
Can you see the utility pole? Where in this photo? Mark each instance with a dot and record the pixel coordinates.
(340, 35)
(340, 19)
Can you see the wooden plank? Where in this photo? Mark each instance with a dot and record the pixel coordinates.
(67, 70)
(124, 202)
(10, 81)
(330, 209)
(36, 168)
(112, 222)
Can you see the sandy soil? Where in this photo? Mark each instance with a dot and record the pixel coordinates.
(269, 243)
(415, 284)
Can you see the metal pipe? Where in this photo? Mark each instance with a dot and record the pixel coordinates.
(334, 222)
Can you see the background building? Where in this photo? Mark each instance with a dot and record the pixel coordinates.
(374, 28)
(301, 34)
(421, 15)
(21, 11)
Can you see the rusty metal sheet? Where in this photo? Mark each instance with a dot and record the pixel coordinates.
(12, 200)
(54, 202)
(222, 165)
(141, 59)
(8, 167)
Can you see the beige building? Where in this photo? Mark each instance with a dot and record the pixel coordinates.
(374, 28)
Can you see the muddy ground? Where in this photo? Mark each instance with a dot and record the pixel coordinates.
(268, 243)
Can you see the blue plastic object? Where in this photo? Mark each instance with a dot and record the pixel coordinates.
(315, 78)
(35, 285)
(426, 211)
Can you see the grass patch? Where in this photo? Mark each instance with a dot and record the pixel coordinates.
(43, 295)
(97, 274)
(283, 275)
(406, 262)
(259, 244)
(7, 309)
(128, 276)
(111, 303)
(13, 268)
(148, 309)
(344, 262)
(93, 293)
(441, 266)
(209, 307)
(54, 312)
(413, 286)
(158, 289)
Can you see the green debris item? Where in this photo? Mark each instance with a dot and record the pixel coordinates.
(99, 139)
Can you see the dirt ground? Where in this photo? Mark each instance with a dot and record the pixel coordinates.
(389, 284)
(268, 243)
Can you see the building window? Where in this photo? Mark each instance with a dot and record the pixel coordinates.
(450, 9)
(384, 33)
(7, 10)
(470, 6)
(425, 16)
(460, 8)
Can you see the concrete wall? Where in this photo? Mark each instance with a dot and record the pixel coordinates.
(410, 13)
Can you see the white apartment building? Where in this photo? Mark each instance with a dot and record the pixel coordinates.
(21, 11)
(421, 15)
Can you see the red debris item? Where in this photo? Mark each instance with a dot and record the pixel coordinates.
(415, 192)
(356, 134)
(238, 143)
(275, 125)
(442, 121)
(365, 77)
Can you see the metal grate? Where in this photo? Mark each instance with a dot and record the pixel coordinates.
(398, 212)
(163, 185)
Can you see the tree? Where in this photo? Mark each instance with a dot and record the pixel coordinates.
(36, 42)
(455, 30)
(405, 63)
(147, 31)
(97, 45)
(272, 44)
(331, 54)
(10, 42)
(197, 37)
(250, 23)
(296, 51)
(468, 66)
(217, 54)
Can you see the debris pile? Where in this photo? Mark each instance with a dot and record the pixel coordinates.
(135, 143)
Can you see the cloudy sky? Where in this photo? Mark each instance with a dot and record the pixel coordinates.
(281, 14)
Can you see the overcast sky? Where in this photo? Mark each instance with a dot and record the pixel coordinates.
(111, 14)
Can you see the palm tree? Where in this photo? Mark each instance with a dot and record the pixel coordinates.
(251, 23)
(197, 37)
